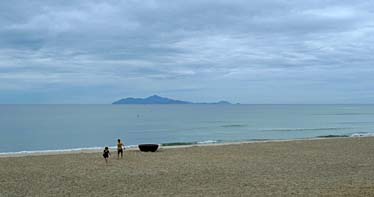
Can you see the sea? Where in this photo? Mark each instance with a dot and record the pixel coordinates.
(53, 128)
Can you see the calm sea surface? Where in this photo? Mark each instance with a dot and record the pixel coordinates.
(58, 127)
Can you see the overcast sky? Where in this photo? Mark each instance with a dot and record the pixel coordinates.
(258, 51)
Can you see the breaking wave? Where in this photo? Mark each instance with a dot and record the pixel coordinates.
(307, 129)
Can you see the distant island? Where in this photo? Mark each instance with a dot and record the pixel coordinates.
(155, 99)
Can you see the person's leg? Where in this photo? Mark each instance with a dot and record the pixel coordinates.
(122, 153)
(118, 151)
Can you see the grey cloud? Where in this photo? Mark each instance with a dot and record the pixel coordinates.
(186, 45)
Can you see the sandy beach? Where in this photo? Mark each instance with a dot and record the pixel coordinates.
(328, 167)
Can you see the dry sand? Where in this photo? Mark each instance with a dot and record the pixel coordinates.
(332, 167)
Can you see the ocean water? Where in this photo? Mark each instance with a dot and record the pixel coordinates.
(28, 128)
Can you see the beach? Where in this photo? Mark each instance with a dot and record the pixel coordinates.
(325, 167)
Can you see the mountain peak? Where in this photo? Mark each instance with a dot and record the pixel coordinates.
(155, 96)
(156, 99)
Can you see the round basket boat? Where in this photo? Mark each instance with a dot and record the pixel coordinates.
(148, 147)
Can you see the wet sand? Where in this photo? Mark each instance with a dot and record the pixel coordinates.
(328, 167)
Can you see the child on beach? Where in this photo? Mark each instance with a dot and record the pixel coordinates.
(106, 154)
(120, 148)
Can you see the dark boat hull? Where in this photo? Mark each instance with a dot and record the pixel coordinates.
(148, 147)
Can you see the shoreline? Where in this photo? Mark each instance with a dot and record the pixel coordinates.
(135, 147)
(313, 167)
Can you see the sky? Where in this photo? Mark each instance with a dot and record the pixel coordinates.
(256, 52)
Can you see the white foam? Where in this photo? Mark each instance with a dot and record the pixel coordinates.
(362, 135)
(131, 146)
(208, 142)
(51, 151)
(70, 150)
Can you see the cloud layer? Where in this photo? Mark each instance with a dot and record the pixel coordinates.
(245, 51)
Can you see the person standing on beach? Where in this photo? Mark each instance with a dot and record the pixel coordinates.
(106, 154)
(120, 148)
